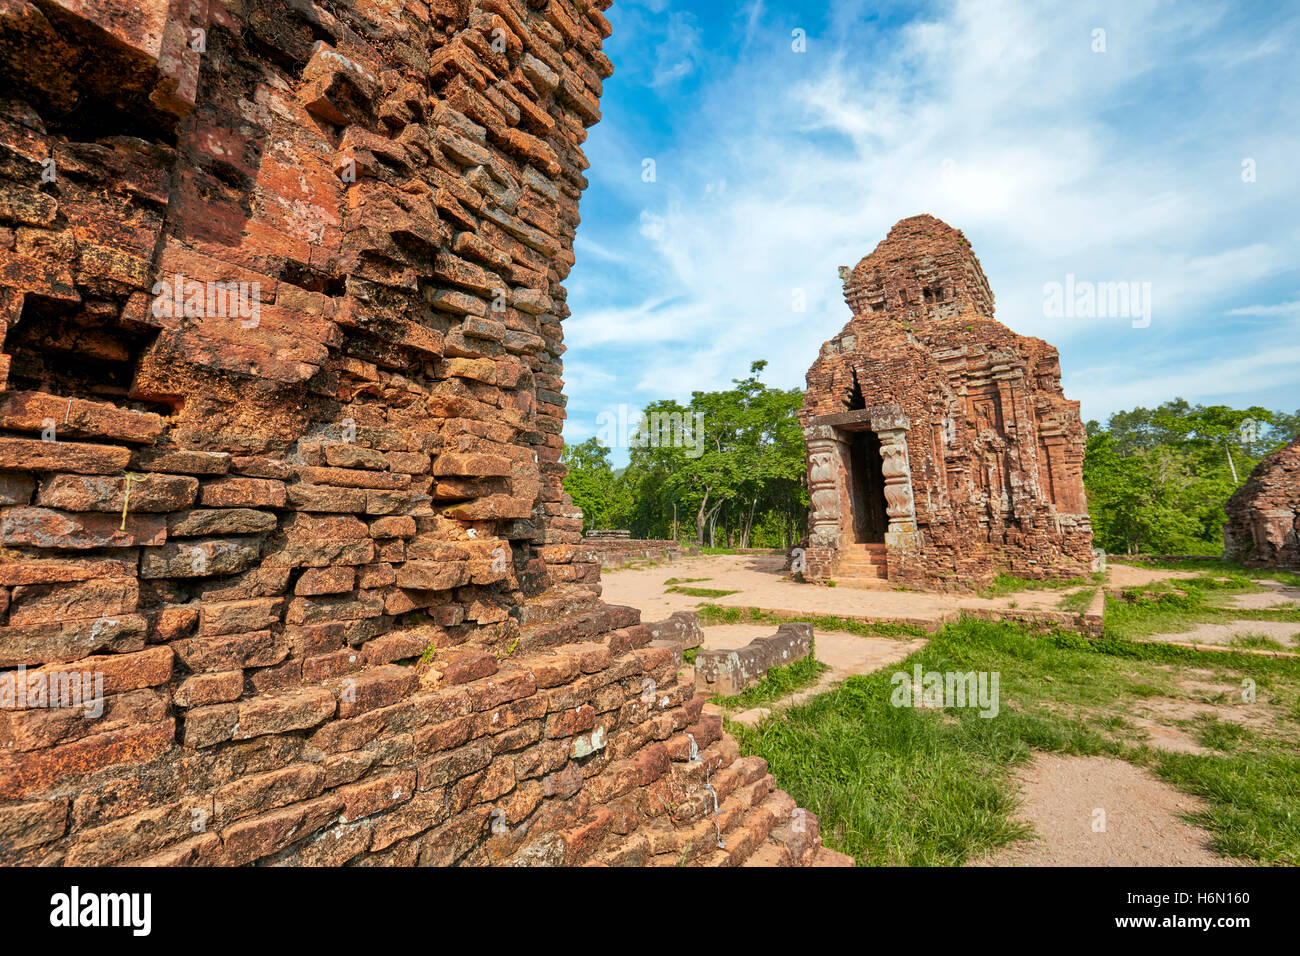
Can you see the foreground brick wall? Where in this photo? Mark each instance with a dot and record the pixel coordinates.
(982, 452)
(280, 305)
(1263, 528)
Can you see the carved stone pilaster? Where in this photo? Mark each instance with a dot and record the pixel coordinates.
(825, 512)
(899, 503)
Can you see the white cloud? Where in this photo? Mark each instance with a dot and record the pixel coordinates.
(1282, 308)
(998, 118)
(1129, 385)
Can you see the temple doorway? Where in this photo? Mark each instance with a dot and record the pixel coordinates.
(867, 489)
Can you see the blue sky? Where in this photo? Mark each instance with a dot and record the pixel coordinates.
(773, 167)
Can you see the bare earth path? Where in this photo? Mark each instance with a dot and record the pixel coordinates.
(1142, 815)
(759, 581)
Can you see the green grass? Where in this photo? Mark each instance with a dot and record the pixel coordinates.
(699, 592)
(638, 564)
(780, 682)
(1258, 642)
(1078, 602)
(685, 580)
(715, 614)
(902, 786)
(688, 655)
(1221, 567)
(1172, 607)
(1005, 584)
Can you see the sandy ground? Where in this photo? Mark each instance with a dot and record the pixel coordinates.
(1142, 817)
(1277, 595)
(1122, 576)
(847, 654)
(760, 582)
(1286, 633)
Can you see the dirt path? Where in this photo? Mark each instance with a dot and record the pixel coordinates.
(759, 581)
(1285, 633)
(1062, 797)
(1120, 576)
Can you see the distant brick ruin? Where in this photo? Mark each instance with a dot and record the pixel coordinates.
(617, 549)
(280, 417)
(941, 449)
(1263, 529)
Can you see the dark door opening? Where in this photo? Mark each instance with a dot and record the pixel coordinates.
(867, 489)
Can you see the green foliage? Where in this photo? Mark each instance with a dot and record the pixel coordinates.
(744, 488)
(593, 485)
(1158, 479)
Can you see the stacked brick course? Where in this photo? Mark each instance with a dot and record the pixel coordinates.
(978, 455)
(1263, 529)
(280, 306)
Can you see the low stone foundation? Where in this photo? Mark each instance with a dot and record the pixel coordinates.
(729, 672)
(615, 552)
(679, 633)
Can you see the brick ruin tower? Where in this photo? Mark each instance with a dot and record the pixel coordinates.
(1263, 529)
(280, 414)
(941, 449)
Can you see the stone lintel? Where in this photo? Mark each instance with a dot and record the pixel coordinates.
(877, 418)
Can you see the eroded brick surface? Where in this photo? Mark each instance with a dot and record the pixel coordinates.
(280, 416)
(1263, 528)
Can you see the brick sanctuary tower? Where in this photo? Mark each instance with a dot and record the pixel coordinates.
(1263, 529)
(941, 448)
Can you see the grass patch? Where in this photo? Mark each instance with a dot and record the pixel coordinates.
(1173, 607)
(1221, 567)
(1258, 642)
(685, 580)
(715, 614)
(688, 655)
(699, 592)
(1005, 584)
(1078, 602)
(638, 564)
(779, 682)
(903, 786)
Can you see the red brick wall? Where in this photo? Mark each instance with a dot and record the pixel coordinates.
(1263, 528)
(317, 551)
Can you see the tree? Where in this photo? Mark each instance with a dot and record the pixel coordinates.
(592, 484)
(1158, 479)
(740, 479)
